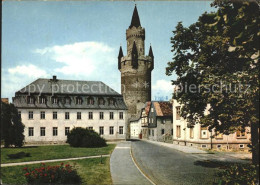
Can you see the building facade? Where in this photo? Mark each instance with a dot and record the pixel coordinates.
(50, 108)
(201, 137)
(135, 68)
(160, 127)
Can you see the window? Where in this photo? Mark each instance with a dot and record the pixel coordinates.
(42, 100)
(203, 146)
(111, 130)
(67, 100)
(149, 132)
(55, 131)
(121, 115)
(101, 101)
(241, 134)
(162, 131)
(191, 132)
(178, 112)
(54, 100)
(90, 128)
(151, 109)
(79, 101)
(67, 130)
(54, 115)
(152, 132)
(164, 121)
(30, 116)
(101, 115)
(91, 101)
(30, 131)
(90, 115)
(121, 130)
(19, 114)
(219, 146)
(30, 100)
(171, 131)
(42, 130)
(42, 115)
(67, 115)
(111, 102)
(241, 146)
(78, 115)
(204, 132)
(151, 120)
(178, 131)
(101, 130)
(111, 115)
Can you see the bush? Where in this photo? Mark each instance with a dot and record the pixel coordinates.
(239, 174)
(19, 155)
(80, 137)
(52, 175)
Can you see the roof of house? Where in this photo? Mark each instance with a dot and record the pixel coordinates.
(147, 107)
(59, 86)
(163, 108)
(72, 89)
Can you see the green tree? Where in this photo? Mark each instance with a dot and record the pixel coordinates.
(11, 126)
(217, 60)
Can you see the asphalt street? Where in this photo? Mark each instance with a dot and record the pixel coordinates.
(168, 166)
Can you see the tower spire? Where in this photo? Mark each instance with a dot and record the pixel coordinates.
(150, 51)
(120, 55)
(135, 19)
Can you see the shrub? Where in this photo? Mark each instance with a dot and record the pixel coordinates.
(80, 137)
(19, 155)
(239, 174)
(58, 174)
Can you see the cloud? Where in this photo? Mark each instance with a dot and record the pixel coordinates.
(15, 78)
(162, 90)
(81, 58)
(28, 70)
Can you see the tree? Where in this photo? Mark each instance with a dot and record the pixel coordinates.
(83, 137)
(11, 126)
(216, 60)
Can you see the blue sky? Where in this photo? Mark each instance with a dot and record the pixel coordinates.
(80, 40)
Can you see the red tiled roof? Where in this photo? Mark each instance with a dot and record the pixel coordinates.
(147, 107)
(163, 108)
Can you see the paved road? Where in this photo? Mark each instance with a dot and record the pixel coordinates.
(168, 166)
(122, 167)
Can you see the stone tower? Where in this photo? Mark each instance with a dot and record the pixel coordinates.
(135, 68)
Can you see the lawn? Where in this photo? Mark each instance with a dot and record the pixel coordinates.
(53, 152)
(91, 171)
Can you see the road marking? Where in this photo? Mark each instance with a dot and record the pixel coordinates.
(140, 169)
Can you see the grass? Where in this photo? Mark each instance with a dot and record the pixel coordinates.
(91, 171)
(53, 152)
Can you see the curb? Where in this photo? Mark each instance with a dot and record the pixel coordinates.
(140, 170)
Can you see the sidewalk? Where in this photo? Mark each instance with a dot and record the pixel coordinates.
(52, 160)
(122, 167)
(185, 149)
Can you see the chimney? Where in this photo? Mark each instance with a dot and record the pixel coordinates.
(54, 78)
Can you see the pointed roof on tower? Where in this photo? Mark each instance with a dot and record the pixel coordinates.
(120, 52)
(135, 19)
(150, 52)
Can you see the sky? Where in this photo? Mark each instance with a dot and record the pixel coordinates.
(80, 40)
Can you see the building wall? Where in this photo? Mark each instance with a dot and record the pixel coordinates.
(61, 123)
(202, 138)
(135, 128)
(158, 136)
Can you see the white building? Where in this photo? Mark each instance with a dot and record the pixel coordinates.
(50, 108)
(201, 137)
(135, 128)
